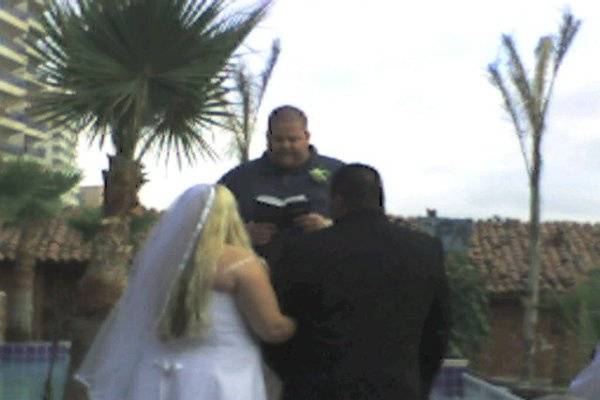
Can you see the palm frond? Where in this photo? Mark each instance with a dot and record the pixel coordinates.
(568, 30)
(249, 90)
(270, 66)
(527, 104)
(248, 108)
(520, 81)
(543, 55)
(512, 110)
(123, 66)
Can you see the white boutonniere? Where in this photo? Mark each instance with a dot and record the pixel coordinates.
(319, 175)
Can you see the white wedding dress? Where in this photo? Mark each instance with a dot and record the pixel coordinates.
(224, 365)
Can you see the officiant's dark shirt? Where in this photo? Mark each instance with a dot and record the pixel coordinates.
(370, 299)
(262, 176)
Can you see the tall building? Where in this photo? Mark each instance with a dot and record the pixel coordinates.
(19, 135)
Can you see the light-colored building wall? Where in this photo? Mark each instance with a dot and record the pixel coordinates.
(91, 196)
(20, 136)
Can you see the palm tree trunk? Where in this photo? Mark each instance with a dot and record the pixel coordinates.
(20, 299)
(245, 155)
(122, 182)
(106, 277)
(533, 289)
(103, 282)
(99, 289)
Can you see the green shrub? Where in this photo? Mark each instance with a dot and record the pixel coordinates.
(578, 310)
(469, 305)
(87, 221)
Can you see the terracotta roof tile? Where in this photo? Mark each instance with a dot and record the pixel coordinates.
(57, 242)
(500, 249)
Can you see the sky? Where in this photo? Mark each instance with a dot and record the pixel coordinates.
(403, 86)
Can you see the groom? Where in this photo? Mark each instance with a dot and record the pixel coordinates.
(370, 299)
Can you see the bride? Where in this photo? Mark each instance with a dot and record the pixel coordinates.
(185, 327)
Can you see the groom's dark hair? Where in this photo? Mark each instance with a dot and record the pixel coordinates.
(359, 186)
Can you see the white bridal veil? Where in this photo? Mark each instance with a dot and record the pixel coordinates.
(586, 384)
(108, 366)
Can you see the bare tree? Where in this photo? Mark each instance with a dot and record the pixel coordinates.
(526, 100)
(249, 90)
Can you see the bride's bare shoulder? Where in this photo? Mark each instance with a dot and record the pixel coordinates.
(227, 266)
(233, 254)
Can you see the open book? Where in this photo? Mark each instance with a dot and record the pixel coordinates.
(280, 211)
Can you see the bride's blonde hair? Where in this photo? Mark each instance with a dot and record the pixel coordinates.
(187, 313)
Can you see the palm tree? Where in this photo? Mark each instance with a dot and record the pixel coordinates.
(526, 101)
(29, 195)
(145, 74)
(249, 90)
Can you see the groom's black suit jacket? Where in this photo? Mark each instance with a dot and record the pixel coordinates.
(370, 299)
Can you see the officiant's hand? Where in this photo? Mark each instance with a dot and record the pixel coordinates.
(312, 222)
(261, 233)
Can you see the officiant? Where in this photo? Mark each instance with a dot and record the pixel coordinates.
(289, 167)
